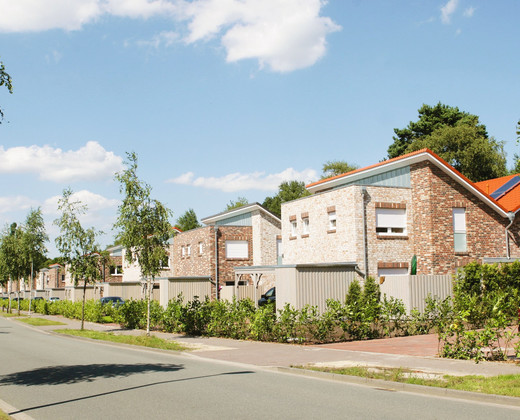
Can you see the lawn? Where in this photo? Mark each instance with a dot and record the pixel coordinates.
(136, 340)
(508, 385)
(40, 322)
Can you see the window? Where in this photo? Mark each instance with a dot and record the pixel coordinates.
(116, 270)
(332, 220)
(459, 229)
(294, 228)
(305, 222)
(388, 272)
(166, 264)
(183, 251)
(201, 248)
(188, 250)
(390, 222)
(237, 249)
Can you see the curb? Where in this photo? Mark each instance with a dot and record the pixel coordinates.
(403, 387)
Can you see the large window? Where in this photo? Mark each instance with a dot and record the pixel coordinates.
(391, 222)
(237, 249)
(459, 229)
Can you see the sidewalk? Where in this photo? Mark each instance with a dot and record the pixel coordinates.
(417, 353)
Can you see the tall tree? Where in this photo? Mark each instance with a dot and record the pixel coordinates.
(5, 80)
(430, 119)
(12, 256)
(188, 221)
(336, 167)
(143, 226)
(287, 191)
(240, 201)
(78, 245)
(34, 239)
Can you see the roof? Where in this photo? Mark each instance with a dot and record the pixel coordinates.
(510, 202)
(247, 208)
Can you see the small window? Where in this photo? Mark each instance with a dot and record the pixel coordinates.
(237, 249)
(188, 250)
(332, 220)
(390, 222)
(294, 228)
(116, 270)
(201, 248)
(459, 230)
(305, 222)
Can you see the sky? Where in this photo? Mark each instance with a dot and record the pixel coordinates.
(223, 99)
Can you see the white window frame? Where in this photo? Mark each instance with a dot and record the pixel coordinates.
(391, 222)
(201, 248)
(389, 272)
(332, 220)
(460, 240)
(188, 250)
(183, 251)
(236, 249)
(305, 226)
(294, 228)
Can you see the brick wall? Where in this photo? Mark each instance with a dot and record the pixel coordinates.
(434, 196)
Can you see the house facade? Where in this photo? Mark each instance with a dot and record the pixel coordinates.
(240, 237)
(381, 216)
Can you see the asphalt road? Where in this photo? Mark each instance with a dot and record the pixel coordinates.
(51, 377)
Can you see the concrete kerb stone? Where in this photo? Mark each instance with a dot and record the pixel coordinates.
(403, 387)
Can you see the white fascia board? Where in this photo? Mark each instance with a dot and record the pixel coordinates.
(401, 163)
(248, 208)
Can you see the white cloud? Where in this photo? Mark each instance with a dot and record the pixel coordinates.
(282, 35)
(89, 162)
(241, 182)
(162, 39)
(94, 202)
(16, 203)
(469, 12)
(41, 15)
(447, 11)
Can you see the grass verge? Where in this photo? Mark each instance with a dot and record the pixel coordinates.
(508, 385)
(12, 315)
(4, 416)
(40, 322)
(136, 340)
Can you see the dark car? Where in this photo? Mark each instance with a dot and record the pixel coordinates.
(268, 297)
(112, 300)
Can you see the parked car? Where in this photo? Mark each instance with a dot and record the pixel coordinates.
(37, 298)
(268, 297)
(112, 300)
(54, 299)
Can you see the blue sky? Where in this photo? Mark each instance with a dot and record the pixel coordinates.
(227, 98)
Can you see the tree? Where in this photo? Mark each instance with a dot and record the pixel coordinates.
(78, 245)
(430, 119)
(467, 150)
(12, 256)
(241, 201)
(336, 167)
(143, 226)
(5, 80)
(188, 221)
(287, 191)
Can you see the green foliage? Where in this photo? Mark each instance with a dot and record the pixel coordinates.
(240, 202)
(467, 150)
(456, 136)
(287, 191)
(5, 80)
(336, 167)
(188, 221)
(143, 226)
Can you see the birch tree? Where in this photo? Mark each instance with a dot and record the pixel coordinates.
(78, 245)
(143, 227)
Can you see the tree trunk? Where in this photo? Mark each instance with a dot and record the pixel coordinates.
(83, 307)
(9, 291)
(148, 294)
(30, 288)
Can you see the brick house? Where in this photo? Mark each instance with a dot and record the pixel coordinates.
(380, 216)
(244, 236)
